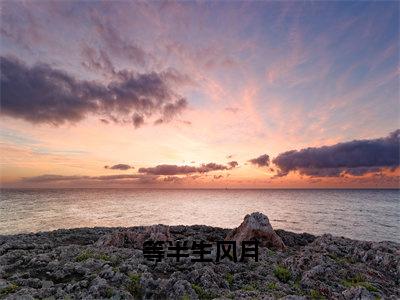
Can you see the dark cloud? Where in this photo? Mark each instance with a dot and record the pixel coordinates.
(173, 179)
(41, 94)
(119, 167)
(168, 170)
(356, 158)
(362, 170)
(170, 110)
(181, 170)
(137, 120)
(261, 161)
(233, 164)
(116, 177)
(204, 168)
(177, 179)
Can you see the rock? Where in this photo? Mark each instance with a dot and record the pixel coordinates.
(256, 226)
(117, 239)
(321, 266)
(182, 289)
(156, 233)
(3, 284)
(98, 287)
(207, 278)
(131, 238)
(47, 284)
(357, 293)
(107, 272)
(291, 239)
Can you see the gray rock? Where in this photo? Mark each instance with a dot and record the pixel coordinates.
(135, 238)
(180, 289)
(357, 293)
(98, 287)
(47, 284)
(293, 297)
(80, 269)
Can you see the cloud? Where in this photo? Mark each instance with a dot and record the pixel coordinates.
(19, 25)
(170, 110)
(168, 170)
(137, 120)
(97, 60)
(204, 168)
(261, 161)
(52, 177)
(118, 45)
(116, 177)
(356, 158)
(232, 109)
(181, 170)
(55, 178)
(119, 167)
(173, 179)
(41, 94)
(233, 164)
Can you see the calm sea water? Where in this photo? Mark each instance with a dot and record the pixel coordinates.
(359, 214)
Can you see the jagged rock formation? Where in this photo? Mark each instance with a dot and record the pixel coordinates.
(73, 263)
(256, 226)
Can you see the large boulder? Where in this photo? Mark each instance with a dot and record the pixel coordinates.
(135, 238)
(256, 226)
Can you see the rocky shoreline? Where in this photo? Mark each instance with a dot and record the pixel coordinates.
(99, 263)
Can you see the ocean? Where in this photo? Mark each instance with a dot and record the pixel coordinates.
(359, 214)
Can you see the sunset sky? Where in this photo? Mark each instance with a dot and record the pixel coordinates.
(200, 94)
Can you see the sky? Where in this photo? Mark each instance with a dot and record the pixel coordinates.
(200, 94)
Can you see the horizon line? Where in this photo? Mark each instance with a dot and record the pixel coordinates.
(161, 188)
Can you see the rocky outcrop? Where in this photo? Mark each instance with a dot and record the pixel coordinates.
(70, 264)
(135, 238)
(256, 226)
